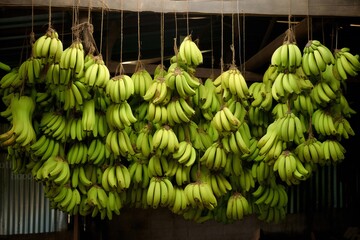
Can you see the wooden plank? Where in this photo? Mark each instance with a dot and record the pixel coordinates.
(249, 7)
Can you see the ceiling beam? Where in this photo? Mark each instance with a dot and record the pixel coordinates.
(254, 7)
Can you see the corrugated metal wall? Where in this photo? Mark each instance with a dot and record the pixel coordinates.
(23, 206)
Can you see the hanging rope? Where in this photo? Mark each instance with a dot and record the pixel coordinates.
(101, 29)
(308, 20)
(187, 17)
(222, 37)
(212, 47)
(121, 38)
(32, 34)
(243, 69)
(238, 29)
(162, 37)
(49, 24)
(232, 47)
(138, 31)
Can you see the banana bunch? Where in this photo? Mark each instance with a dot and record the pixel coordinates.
(97, 152)
(118, 141)
(142, 81)
(258, 117)
(346, 64)
(304, 104)
(73, 129)
(343, 128)
(77, 153)
(158, 92)
(237, 207)
(15, 158)
(272, 195)
(44, 99)
(287, 57)
(157, 113)
(270, 146)
(119, 115)
(98, 75)
(272, 214)
(225, 121)
(48, 47)
(11, 79)
(198, 215)
(97, 197)
(120, 88)
(189, 53)
(137, 197)
(73, 58)
(290, 168)
(323, 122)
(262, 95)
(211, 101)
(22, 132)
(56, 170)
(53, 124)
(261, 171)
(215, 157)
(160, 192)
(233, 165)
(56, 77)
(139, 173)
(65, 198)
(88, 118)
(70, 203)
(290, 128)
(116, 178)
(236, 142)
(244, 182)
(158, 165)
(182, 82)
(333, 151)
(115, 203)
(232, 81)
(323, 93)
(180, 202)
(185, 154)
(165, 139)
(84, 176)
(219, 184)
(5, 67)
(280, 110)
(315, 58)
(30, 71)
(286, 84)
(45, 147)
(182, 173)
(200, 195)
(203, 139)
(143, 143)
(178, 111)
(344, 107)
(310, 151)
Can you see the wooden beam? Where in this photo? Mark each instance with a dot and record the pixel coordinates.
(250, 7)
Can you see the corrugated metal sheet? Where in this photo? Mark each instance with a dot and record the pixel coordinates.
(23, 206)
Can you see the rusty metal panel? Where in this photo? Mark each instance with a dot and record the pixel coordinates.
(23, 206)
